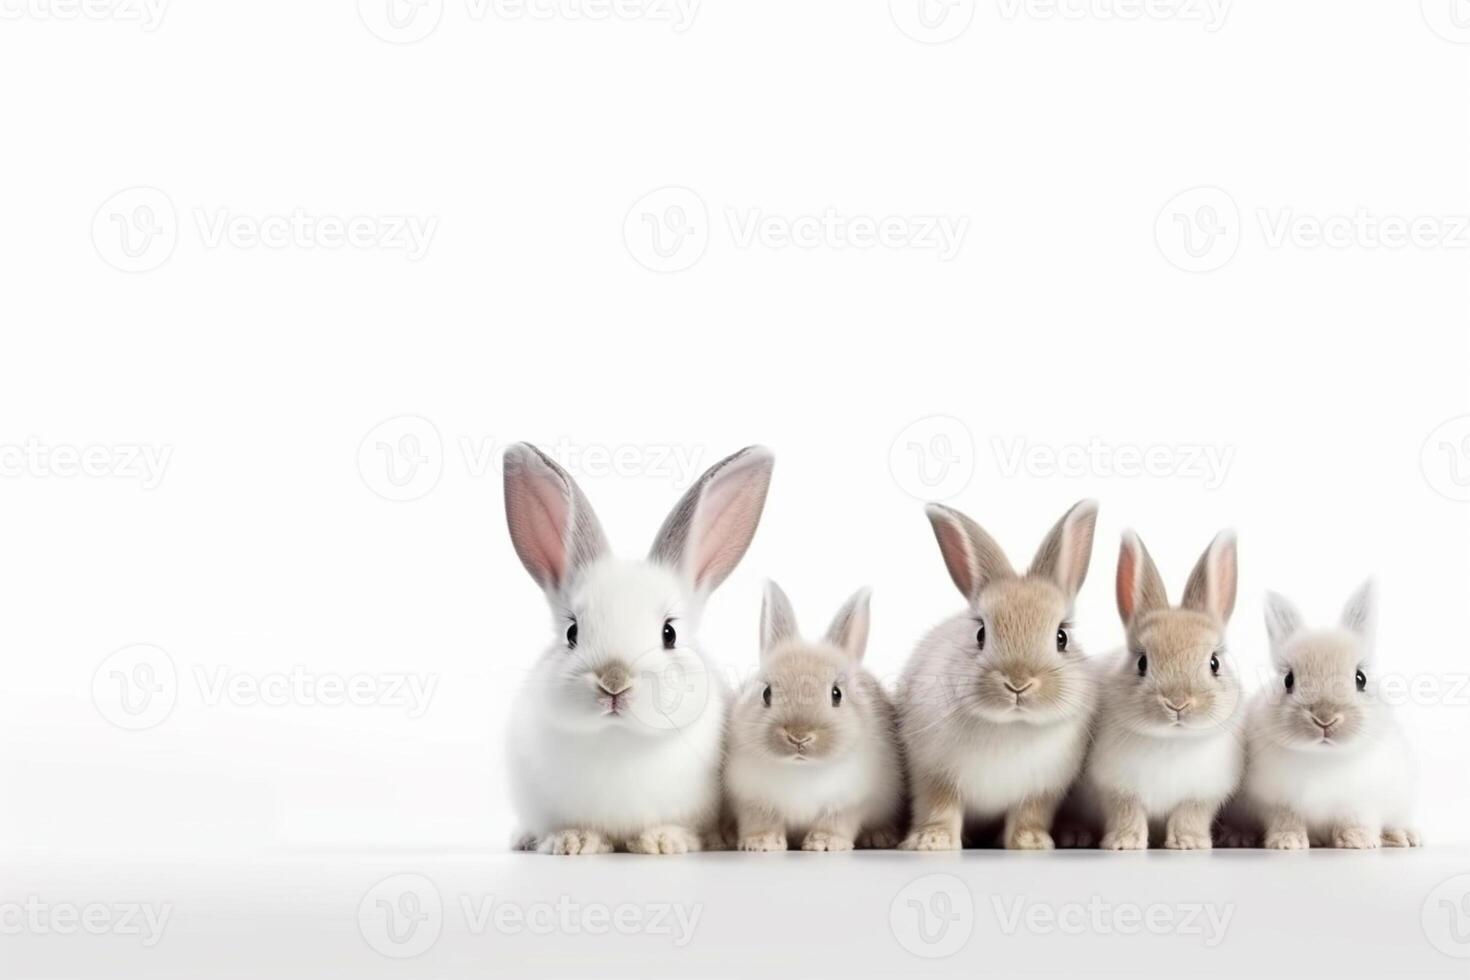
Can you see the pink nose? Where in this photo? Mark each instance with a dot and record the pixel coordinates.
(797, 739)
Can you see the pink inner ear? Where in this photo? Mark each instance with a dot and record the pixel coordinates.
(723, 527)
(955, 547)
(538, 515)
(1127, 579)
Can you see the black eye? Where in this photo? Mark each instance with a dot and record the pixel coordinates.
(1061, 640)
(670, 637)
(572, 636)
(1215, 664)
(766, 695)
(1362, 680)
(980, 635)
(837, 695)
(1290, 681)
(1142, 664)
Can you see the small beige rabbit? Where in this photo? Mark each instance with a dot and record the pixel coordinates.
(1168, 753)
(997, 702)
(814, 753)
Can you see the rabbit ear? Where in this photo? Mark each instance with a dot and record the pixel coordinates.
(1065, 554)
(1361, 612)
(551, 523)
(972, 556)
(1282, 621)
(1211, 586)
(707, 532)
(778, 619)
(1140, 587)
(849, 629)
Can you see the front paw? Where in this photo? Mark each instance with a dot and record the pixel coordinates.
(932, 839)
(1402, 838)
(1182, 841)
(1355, 839)
(772, 840)
(1125, 840)
(575, 842)
(1029, 839)
(665, 840)
(1287, 840)
(821, 840)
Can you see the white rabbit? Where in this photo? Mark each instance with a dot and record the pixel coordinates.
(1168, 753)
(814, 748)
(1327, 763)
(997, 702)
(617, 739)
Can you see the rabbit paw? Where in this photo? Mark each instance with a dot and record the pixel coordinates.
(1029, 839)
(1401, 838)
(1187, 842)
(771, 841)
(881, 839)
(931, 839)
(575, 842)
(1355, 838)
(1125, 840)
(1287, 840)
(665, 840)
(821, 840)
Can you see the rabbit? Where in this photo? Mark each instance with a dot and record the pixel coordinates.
(814, 740)
(616, 740)
(996, 703)
(1167, 751)
(1327, 763)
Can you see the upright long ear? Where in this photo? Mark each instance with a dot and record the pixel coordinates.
(1211, 586)
(1283, 621)
(707, 532)
(1361, 612)
(973, 558)
(1065, 554)
(849, 629)
(778, 619)
(551, 523)
(1140, 587)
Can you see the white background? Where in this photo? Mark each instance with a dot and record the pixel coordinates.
(1067, 315)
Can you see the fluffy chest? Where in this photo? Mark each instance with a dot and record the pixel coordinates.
(1163, 773)
(1002, 765)
(1372, 785)
(799, 792)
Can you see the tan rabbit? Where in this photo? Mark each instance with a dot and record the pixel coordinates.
(997, 702)
(1168, 752)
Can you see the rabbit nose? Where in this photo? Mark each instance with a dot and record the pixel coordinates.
(799, 739)
(1327, 723)
(615, 680)
(1016, 686)
(1184, 705)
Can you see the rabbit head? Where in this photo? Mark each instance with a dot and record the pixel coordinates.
(1014, 656)
(809, 702)
(1175, 676)
(1324, 696)
(624, 652)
